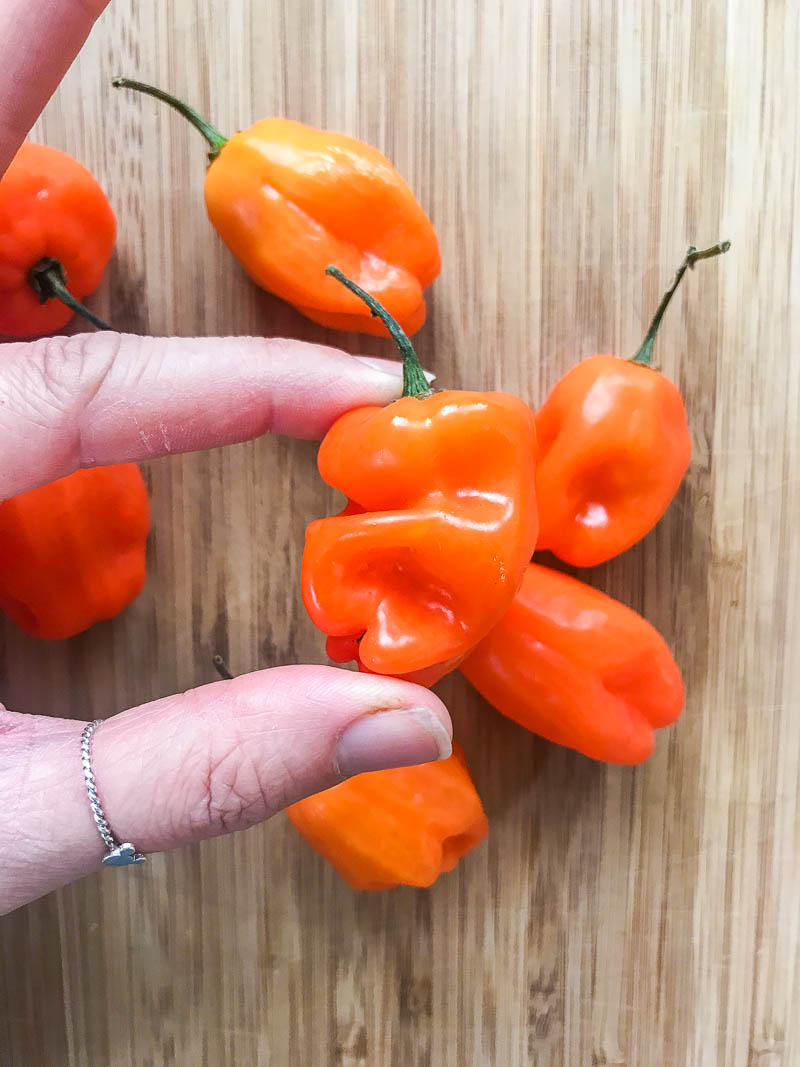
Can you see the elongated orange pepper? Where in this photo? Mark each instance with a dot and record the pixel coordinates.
(404, 826)
(579, 668)
(57, 234)
(439, 528)
(614, 445)
(72, 553)
(288, 199)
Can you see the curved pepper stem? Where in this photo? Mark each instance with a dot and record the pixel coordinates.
(49, 279)
(645, 353)
(223, 670)
(414, 381)
(211, 134)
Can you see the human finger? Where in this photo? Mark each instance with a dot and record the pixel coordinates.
(38, 41)
(104, 398)
(213, 760)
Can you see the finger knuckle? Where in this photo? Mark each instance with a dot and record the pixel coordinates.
(232, 791)
(68, 375)
(73, 371)
(234, 796)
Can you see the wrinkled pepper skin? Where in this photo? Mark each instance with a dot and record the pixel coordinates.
(51, 208)
(288, 200)
(578, 668)
(72, 553)
(404, 826)
(347, 650)
(441, 523)
(614, 445)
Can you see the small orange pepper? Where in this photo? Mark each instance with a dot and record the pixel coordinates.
(404, 826)
(577, 667)
(72, 553)
(440, 524)
(57, 234)
(288, 199)
(347, 650)
(614, 445)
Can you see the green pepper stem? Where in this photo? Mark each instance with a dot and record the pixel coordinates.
(645, 353)
(414, 381)
(211, 134)
(49, 279)
(223, 670)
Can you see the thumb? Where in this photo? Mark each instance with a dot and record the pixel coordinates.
(188, 767)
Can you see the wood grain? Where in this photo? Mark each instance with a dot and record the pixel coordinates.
(567, 152)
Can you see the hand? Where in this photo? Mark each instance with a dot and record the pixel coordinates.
(228, 755)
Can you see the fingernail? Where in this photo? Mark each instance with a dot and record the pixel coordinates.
(399, 737)
(389, 366)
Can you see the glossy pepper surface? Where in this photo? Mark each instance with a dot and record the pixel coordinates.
(404, 826)
(440, 524)
(348, 650)
(72, 553)
(57, 234)
(577, 667)
(614, 445)
(288, 199)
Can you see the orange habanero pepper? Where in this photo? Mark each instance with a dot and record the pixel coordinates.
(404, 826)
(72, 553)
(57, 230)
(614, 445)
(288, 199)
(440, 525)
(577, 667)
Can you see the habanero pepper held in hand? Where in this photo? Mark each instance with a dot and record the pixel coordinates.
(614, 445)
(577, 667)
(288, 199)
(440, 525)
(57, 234)
(72, 553)
(404, 826)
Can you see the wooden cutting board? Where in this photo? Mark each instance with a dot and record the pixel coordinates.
(568, 153)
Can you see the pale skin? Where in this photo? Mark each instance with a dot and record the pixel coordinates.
(228, 755)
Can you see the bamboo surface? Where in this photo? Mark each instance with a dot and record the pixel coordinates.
(568, 153)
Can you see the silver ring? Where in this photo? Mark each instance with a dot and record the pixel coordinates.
(119, 854)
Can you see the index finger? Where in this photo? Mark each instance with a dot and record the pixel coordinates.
(104, 398)
(38, 41)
